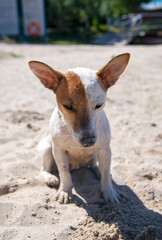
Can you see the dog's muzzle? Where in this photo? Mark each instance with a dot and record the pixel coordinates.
(88, 140)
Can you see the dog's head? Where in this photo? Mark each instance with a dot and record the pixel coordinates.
(81, 93)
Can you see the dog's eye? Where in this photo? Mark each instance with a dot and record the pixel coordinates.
(70, 108)
(98, 106)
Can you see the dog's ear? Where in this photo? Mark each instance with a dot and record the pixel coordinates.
(110, 73)
(48, 77)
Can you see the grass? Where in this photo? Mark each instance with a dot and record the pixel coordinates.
(14, 55)
(71, 36)
(147, 27)
(47, 200)
(115, 29)
(68, 37)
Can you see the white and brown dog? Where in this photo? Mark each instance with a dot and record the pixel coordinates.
(79, 128)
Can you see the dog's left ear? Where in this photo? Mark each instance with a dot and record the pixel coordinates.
(110, 73)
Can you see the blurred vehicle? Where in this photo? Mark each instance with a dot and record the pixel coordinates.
(144, 27)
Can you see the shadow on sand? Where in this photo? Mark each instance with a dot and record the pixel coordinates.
(133, 219)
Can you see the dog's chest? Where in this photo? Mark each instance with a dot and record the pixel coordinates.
(79, 157)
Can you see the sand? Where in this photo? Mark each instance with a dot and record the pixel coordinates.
(134, 109)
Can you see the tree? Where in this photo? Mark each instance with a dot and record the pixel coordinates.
(117, 8)
(81, 15)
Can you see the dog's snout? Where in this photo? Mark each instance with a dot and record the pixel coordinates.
(88, 140)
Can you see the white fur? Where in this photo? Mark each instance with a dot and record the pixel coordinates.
(64, 146)
(94, 92)
(94, 95)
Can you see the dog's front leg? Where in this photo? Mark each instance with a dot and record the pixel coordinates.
(65, 189)
(104, 158)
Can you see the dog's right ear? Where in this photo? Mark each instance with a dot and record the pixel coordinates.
(48, 77)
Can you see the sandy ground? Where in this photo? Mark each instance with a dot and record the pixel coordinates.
(134, 108)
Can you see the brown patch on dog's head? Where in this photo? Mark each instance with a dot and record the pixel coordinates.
(69, 90)
(109, 74)
(72, 102)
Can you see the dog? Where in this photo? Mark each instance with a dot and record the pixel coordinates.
(79, 128)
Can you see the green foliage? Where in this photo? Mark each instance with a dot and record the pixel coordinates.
(119, 7)
(74, 13)
(85, 17)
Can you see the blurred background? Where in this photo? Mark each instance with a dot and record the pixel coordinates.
(81, 21)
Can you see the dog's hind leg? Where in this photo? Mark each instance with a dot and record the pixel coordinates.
(48, 162)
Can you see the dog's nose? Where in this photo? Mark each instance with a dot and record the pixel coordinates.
(88, 140)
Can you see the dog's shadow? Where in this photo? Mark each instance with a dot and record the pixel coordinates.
(131, 216)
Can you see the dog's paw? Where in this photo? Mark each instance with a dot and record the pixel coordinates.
(63, 197)
(110, 195)
(50, 179)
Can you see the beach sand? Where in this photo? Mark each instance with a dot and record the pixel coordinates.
(134, 109)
